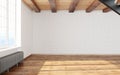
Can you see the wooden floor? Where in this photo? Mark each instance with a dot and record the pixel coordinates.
(68, 65)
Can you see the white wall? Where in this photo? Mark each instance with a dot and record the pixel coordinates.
(27, 30)
(76, 33)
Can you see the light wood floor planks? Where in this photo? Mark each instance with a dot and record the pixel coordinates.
(68, 65)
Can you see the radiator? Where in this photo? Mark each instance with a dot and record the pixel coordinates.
(9, 61)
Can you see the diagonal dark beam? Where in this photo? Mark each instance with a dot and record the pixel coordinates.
(37, 9)
(111, 4)
(73, 5)
(105, 10)
(53, 5)
(93, 6)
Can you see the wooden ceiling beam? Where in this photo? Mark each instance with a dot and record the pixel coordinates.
(53, 5)
(105, 10)
(73, 5)
(36, 8)
(27, 4)
(117, 2)
(93, 6)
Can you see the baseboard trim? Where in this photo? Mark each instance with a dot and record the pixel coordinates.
(27, 57)
(77, 54)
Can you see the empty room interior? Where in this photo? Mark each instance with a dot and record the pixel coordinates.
(59, 37)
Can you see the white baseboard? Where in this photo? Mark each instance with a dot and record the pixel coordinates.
(77, 52)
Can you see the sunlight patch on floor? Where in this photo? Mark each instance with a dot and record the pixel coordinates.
(82, 67)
